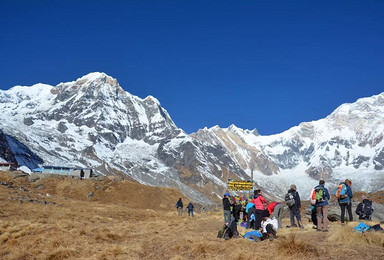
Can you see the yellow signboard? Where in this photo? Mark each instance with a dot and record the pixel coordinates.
(237, 185)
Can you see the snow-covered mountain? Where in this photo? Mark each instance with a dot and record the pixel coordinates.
(346, 144)
(93, 122)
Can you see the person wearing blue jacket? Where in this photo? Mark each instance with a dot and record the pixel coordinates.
(250, 210)
(322, 208)
(346, 203)
(190, 209)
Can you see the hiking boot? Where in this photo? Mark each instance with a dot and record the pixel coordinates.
(342, 224)
(314, 227)
(288, 227)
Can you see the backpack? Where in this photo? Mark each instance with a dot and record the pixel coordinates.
(254, 235)
(376, 227)
(319, 194)
(177, 204)
(222, 231)
(312, 198)
(362, 228)
(289, 199)
(367, 208)
(359, 209)
(341, 191)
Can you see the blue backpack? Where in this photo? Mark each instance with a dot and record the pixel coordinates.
(362, 228)
(253, 235)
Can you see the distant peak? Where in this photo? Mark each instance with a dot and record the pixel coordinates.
(253, 131)
(232, 127)
(94, 76)
(153, 99)
(98, 79)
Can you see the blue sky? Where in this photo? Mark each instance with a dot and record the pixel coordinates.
(257, 64)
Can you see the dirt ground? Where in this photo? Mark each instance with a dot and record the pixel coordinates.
(54, 218)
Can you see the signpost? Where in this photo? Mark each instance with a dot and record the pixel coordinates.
(239, 185)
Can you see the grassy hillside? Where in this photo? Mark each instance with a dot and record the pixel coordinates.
(53, 218)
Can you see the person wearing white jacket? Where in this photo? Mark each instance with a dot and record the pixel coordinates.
(272, 221)
(270, 226)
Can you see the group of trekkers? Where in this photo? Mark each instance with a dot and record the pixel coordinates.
(252, 213)
(179, 206)
(320, 202)
(264, 219)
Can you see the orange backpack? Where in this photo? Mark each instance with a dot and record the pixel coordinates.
(341, 191)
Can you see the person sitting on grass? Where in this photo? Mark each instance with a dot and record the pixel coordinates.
(270, 226)
(229, 230)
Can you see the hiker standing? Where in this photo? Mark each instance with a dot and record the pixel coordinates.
(314, 216)
(345, 200)
(276, 210)
(236, 210)
(312, 199)
(227, 209)
(190, 209)
(179, 206)
(321, 196)
(294, 210)
(259, 201)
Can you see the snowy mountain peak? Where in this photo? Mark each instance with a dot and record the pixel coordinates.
(94, 76)
(152, 99)
(232, 127)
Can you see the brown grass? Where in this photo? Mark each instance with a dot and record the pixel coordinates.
(291, 245)
(346, 235)
(126, 220)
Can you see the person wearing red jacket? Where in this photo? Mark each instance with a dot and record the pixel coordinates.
(259, 202)
(276, 210)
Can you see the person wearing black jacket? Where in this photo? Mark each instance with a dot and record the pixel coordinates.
(227, 208)
(179, 206)
(236, 211)
(294, 210)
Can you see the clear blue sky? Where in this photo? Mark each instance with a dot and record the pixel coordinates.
(257, 64)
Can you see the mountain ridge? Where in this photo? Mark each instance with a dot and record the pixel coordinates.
(93, 122)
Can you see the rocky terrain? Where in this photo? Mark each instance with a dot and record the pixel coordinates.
(93, 122)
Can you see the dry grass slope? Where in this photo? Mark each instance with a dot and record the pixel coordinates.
(126, 220)
(288, 246)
